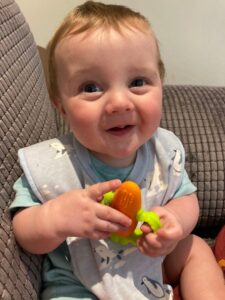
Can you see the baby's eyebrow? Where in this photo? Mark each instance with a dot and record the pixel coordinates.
(148, 71)
(83, 72)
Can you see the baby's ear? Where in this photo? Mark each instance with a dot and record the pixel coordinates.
(59, 106)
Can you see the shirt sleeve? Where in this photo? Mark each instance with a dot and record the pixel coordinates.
(24, 196)
(186, 187)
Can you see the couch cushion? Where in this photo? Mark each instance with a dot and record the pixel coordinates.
(196, 115)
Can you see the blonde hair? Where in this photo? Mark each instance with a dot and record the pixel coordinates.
(92, 15)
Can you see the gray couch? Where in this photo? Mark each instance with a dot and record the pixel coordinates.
(195, 114)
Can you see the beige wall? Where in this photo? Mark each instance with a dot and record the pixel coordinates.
(191, 33)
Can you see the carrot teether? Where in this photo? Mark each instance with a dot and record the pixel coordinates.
(127, 199)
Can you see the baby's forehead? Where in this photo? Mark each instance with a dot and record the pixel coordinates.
(106, 43)
(93, 51)
(101, 33)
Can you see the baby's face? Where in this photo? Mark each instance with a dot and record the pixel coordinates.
(110, 91)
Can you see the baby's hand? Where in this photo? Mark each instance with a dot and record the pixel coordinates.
(166, 238)
(79, 213)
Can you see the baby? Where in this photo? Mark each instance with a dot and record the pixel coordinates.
(106, 77)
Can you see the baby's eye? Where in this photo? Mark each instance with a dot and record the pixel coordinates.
(137, 82)
(91, 88)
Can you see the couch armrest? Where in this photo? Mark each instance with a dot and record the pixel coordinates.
(26, 117)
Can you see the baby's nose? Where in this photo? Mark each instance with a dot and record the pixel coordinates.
(118, 102)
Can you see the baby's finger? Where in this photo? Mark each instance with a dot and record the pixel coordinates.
(170, 233)
(145, 228)
(108, 227)
(112, 215)
(150, 240)
(97, 190)
(147, 249)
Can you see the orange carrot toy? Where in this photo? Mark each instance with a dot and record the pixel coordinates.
(127, 199)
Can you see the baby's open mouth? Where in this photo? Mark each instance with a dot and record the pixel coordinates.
(120, 129)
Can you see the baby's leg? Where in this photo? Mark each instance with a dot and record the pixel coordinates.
(193, 264)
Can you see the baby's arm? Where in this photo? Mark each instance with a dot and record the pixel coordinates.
(40, 229)
(178, 217)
